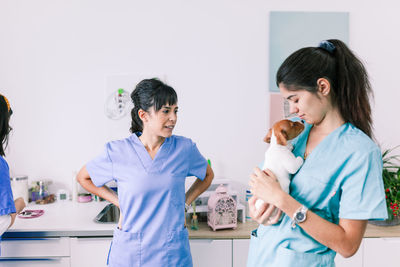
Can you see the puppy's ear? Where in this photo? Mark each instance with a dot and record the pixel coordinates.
(281, 137)
(267, 138)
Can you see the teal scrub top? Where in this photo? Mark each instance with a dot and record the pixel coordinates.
(341, 178)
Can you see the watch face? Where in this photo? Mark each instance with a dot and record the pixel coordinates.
(300, 216)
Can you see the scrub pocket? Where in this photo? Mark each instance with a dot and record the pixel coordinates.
(178, 190)
(179, 249)
(289, 257)
(257, 244)
(125, 249)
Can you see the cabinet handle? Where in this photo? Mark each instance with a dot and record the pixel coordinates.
(29, 259)
(30, 239)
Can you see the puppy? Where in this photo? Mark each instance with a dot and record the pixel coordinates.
(279, 157)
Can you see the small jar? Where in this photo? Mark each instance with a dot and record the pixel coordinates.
(248, 196)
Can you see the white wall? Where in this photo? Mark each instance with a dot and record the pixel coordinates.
(55, 57)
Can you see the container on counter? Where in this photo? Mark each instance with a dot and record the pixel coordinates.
(19, 186)
(248, 196)
(39, 192)
(62, 195)
(84, 197)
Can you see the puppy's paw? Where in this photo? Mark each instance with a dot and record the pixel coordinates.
(259, 204)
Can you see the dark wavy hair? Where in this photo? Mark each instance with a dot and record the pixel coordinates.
(351, 89)
(149, 93)
(5, 129)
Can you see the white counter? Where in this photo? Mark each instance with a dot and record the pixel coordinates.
(63, 219)
(71, 219)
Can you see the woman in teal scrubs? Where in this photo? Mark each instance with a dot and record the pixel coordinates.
(339, 187)
(150, 168)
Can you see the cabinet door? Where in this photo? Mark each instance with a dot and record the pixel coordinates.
(35, 262)
(89, 251)
(35, 247)
(240, 250)
(211, 253)
(381, 252)
(354, 261)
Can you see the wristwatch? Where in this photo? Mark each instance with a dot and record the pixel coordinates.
(299, 216)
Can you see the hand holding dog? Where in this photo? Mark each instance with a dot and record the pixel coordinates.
(265, 186)
(266, 214)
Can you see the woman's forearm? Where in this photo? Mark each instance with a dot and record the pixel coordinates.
(344, 238)
(199, 186)
(104, 192)
(19, 206)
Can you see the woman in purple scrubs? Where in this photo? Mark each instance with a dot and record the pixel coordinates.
(150, 168)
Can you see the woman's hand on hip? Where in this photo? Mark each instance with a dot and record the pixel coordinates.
(266, 214)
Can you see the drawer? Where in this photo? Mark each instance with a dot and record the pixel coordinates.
(211, 253)
(35, 247)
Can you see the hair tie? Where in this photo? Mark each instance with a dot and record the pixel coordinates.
(7, 103)
(328, 46)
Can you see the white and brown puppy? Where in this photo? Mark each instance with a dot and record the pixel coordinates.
(279, 157)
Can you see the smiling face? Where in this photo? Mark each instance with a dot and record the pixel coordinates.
(311, 107)
(162, 122)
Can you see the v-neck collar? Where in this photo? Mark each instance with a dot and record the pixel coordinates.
(320, 144)
(149, 164)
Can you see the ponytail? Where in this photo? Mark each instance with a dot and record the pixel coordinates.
(136, 124)
(333, 60)
(353, 89)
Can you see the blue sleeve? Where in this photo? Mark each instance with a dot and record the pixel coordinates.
(100, 168)
(197, 163)
(362, 193)
(6, 197)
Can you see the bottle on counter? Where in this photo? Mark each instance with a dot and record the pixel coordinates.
(247, 210)
(74, 191)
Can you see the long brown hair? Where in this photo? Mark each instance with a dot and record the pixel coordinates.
(333, 60)
(5, 113)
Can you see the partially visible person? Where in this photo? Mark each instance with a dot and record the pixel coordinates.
(339, 187)
(8, 207)
(150, 168)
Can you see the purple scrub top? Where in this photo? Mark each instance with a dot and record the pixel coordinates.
(151, 195)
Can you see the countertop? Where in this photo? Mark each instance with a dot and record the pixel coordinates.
(77, 220)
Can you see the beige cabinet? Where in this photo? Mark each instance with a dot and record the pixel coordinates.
(211, 253)
(354, 261)
(35, 252)
(89, 251)
(381, 252)
(240, 251)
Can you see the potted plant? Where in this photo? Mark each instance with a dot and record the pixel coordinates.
(391, 181)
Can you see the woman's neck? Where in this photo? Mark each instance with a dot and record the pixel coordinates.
(150, 141)
(331, 121)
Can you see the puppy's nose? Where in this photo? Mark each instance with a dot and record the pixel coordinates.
(303, 121)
